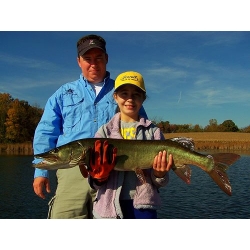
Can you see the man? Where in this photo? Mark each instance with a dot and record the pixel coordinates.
(75, 111)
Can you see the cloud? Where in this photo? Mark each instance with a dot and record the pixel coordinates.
(218, 96)
(223, 38)
(25, 62)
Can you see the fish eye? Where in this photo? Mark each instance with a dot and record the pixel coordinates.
(54, 151)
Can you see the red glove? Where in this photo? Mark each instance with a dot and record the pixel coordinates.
(102, 160)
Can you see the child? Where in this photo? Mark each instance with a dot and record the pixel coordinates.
(120, 193)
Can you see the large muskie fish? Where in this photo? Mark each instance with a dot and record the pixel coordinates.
(134, 154)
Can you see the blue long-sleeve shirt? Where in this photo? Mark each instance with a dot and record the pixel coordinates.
(74, 112)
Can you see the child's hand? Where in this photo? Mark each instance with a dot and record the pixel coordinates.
(160, 165)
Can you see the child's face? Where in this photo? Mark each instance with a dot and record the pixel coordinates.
(129, 99)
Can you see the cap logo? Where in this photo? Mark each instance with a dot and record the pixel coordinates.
(91, 42)
(129, 78)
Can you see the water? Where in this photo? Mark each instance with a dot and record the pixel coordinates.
(202, 199)
(17, 198)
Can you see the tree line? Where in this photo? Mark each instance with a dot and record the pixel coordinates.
(213, 126)
(18, 121)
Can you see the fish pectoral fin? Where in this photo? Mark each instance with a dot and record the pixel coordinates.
(184, 172)
(82, 164)
(140, 175)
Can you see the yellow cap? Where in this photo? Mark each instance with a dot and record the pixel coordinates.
(130, 77)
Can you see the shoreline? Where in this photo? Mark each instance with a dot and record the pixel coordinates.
(204, 141)
(25, 148)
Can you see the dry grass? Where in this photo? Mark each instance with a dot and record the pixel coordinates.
(213, 136)
(217, 140)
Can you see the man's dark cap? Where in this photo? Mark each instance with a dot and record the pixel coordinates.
(89, 42)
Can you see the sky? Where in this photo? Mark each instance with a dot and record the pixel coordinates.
(190, 76)
(194, 55)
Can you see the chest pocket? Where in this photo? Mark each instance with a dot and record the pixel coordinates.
(72, 110)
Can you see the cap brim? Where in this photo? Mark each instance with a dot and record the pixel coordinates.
(91, 47)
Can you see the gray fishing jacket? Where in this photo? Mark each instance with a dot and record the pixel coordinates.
(106, 204)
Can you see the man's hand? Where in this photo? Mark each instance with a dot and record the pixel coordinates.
(39, 184)
(102, 160)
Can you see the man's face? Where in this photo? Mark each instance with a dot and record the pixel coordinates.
(93, 65)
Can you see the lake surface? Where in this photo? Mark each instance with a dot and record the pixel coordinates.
(202, 199)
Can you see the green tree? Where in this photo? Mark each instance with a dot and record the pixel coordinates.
(228, 126)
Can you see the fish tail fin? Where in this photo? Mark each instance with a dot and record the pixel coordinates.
(221, 163)
(184, 172)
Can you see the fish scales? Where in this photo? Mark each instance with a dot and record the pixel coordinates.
(141, 154)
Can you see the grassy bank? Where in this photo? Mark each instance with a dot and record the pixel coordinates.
(16, 148)
(217, 140)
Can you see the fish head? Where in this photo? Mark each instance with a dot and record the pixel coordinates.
(56, 155)
(65, 156)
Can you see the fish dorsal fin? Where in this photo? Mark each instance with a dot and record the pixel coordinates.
(184, 141)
